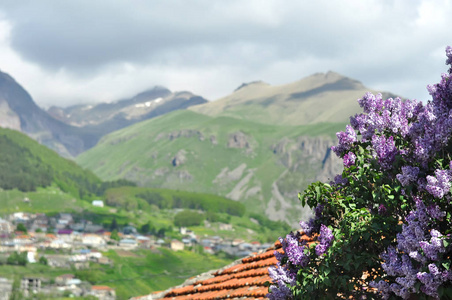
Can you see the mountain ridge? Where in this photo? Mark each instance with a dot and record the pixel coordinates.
(18, 111)
(304, 101)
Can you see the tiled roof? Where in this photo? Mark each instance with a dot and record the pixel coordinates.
(243, 279)
(101, 288)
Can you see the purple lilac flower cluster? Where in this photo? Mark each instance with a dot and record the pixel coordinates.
(439, 185)
(349, 159)
(289, 262)
(325, 239)
(427, 127)
(385, 150)
(346, 139)
(414, 252)
(409, 174)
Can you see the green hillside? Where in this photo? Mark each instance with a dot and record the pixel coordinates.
(263, 166)
(133, 273)
(26, 165)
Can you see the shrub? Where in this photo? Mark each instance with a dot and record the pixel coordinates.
(21, 227)
(43, 261)
(17, 259)
(387, 216)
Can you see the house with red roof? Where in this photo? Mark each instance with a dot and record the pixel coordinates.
(103, 292)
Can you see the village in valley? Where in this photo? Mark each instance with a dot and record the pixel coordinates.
(69, 243)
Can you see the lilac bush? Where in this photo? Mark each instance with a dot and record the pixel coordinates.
(382, 228)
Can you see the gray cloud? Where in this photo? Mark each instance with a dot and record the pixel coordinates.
(391, 45)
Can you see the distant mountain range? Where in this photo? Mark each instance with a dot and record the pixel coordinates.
(146, 105)
(72, 130)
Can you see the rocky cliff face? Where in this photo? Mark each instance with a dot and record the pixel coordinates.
(306, 159)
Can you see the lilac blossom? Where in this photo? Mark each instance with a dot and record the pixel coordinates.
(325, 239)
(339, 180)
(297, 254)
(385, 150)
(431, 280)
(435, 212)
(440, 185)
(409, 174)
(307, 227)
(280, 290)
(294, 251)
(370, 102)
(349, 159)
(382, 210)
(433, 248)
(346, 139)
(413, 241)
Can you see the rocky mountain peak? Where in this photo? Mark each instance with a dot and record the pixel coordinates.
(252, 83)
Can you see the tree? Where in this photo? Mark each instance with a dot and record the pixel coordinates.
(114, 225)
(388, 215)
(43, 260)
(161, 233)
(145, 228)
(21, 227)
(188, 218)
(17, 259)
(114, 235)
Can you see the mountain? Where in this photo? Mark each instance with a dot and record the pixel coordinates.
(264, 166)
(27, 165)
(322, 97)
(70, 131)
(21, 113)
(261, 145)
(125, 112)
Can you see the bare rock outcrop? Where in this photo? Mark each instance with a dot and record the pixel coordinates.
(185, 133)
(227, 176)
(179, 158)
(238, 140)
(213, 140)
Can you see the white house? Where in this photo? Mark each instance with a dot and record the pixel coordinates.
(177, 245)
(128, 243)
(98, 203)
(93, 240)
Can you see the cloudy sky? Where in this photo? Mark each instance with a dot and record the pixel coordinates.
(66, 52)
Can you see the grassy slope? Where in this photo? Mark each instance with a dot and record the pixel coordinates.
(141, 273)
(22, 154)
(156, 271)
(141, 151)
